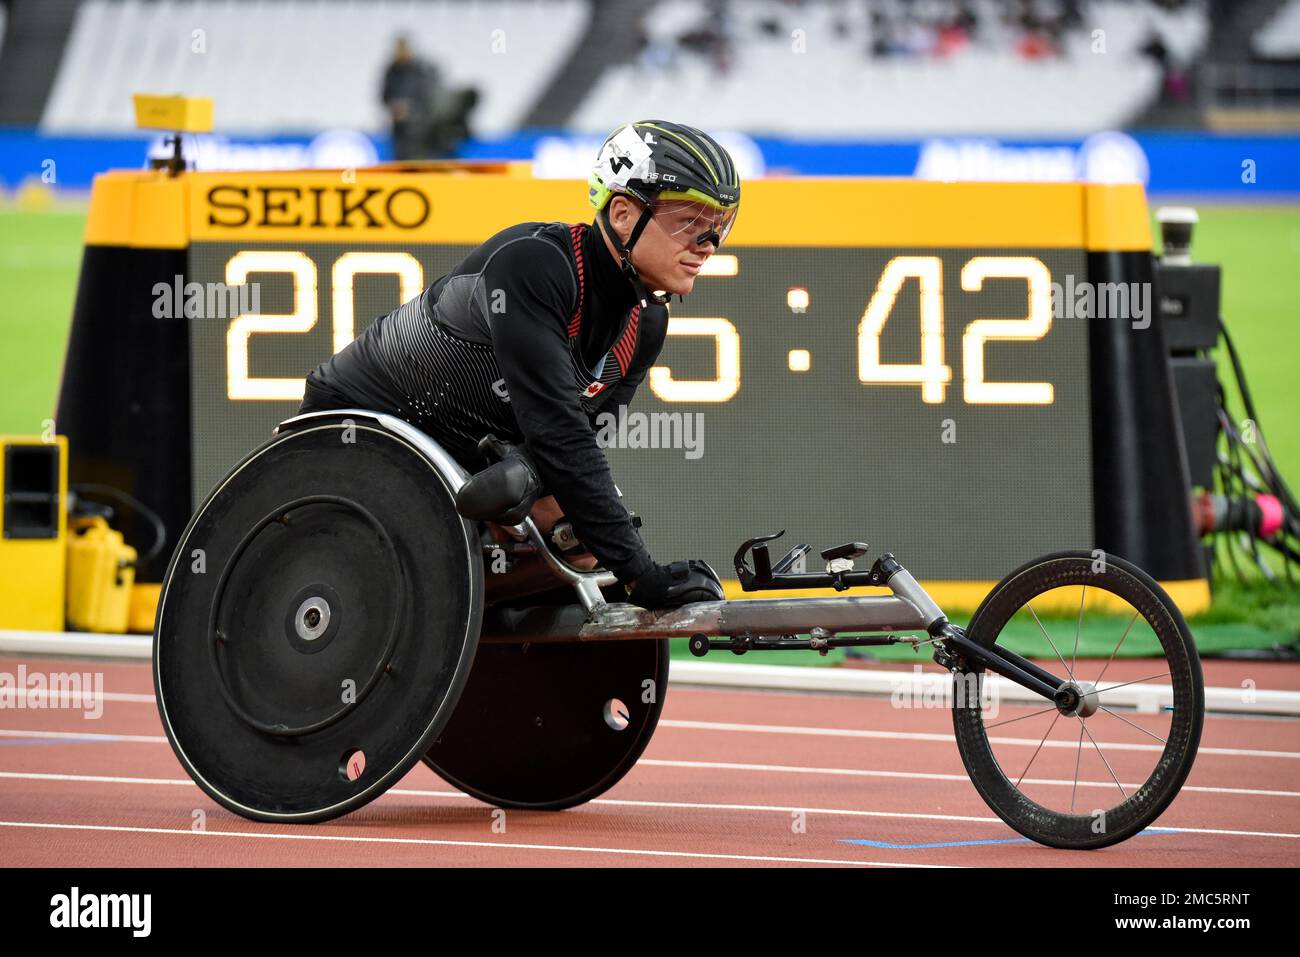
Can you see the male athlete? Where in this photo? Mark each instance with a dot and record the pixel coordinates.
(544, 326)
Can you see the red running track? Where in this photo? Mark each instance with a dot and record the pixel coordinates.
(731, 779)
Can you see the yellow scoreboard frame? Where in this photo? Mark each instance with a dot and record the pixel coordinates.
(153, 237)
(466, 203)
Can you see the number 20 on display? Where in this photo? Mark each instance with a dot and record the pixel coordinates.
(931, 374)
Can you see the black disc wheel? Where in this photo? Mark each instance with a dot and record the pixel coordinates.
(1104, 758)
(317, 623)
(546, 727)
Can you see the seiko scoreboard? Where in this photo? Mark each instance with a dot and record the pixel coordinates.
(900, 362)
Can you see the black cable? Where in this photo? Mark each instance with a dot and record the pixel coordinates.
(1251, 540)
(1271, 476)
(1244, 446)
(1244, 538)
(160, 530)
(1269, 480)
(1235, 491)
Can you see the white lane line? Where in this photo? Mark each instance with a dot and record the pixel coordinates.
(730, 766)
(846, 813)
(1141, 695)
(92, 778)
(948, 738)
(142, 698)
(861, 683)
(432, 842)
(776, 768)
(87, 735)
(35, 700)
(936, 776)
(928, 776)
(757, 729)
(625, 802)
(1219, 830)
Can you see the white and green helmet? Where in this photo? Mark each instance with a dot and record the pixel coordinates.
(659, 163)
(657, 159)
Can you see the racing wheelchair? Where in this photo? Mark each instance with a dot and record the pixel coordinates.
(329, 619)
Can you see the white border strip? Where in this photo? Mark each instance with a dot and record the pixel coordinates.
(1147, 698)
(77, 644)
(713, 674)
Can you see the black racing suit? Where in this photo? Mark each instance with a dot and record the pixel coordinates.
(530, 337)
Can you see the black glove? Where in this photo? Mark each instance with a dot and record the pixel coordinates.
(671, 586)
(503, 492)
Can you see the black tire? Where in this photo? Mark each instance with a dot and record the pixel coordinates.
(1138, 809)
(252, 711)
(530, 732)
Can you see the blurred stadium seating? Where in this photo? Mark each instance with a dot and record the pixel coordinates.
(997, 88)
(304, 65)
(899, 68)
(825, 67)
(1279, 38)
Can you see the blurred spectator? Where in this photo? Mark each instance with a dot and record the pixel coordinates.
(719, 12)
(1039, 33)
(1035, 29)
(713, 36)
(918, 36)
(906, 29)
(411, 92)
(1174, 85)
(654, 54)
(954, 36)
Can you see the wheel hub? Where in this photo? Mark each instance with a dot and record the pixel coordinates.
(313, 618)
(1078, 699)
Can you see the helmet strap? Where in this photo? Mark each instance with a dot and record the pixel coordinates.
(625, 253)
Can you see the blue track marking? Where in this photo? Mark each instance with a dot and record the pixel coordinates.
(1005, 840)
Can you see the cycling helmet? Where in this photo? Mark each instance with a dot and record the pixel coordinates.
(658, 162)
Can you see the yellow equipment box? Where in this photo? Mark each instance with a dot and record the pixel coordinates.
(33, 530)
(188, 114)
(101, 571)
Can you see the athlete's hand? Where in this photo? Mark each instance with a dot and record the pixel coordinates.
(546, 513)
(671, 586)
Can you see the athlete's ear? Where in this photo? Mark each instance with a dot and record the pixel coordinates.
(624, 211)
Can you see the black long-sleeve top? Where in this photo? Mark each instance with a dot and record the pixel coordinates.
(530, 337)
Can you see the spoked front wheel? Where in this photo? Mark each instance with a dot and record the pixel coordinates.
(1105, 759)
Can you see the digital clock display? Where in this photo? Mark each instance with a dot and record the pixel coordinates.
(917, 392)
(876, 360)
(924, 366)
(886, 395)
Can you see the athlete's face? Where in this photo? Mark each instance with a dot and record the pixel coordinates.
(668, 254)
